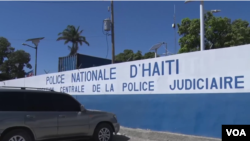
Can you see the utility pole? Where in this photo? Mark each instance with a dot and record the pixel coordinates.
(112, 32)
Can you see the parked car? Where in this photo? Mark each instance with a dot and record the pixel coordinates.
(27, 115)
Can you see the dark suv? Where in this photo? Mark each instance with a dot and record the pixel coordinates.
(28, 115)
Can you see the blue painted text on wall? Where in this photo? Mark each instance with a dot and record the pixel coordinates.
(138, 86)
(94, 75)
(229, 82)
(107, 88)
(154, 69)
(72, 88)
(55, 79)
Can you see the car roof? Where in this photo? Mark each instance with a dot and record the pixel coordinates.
(29, 90)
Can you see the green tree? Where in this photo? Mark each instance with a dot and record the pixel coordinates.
(126, 55)
(219, 33)
(149, 55)
(12, 62)
(73, 35)
(4, 76)
(129, 55)
(240, 32)
(5, 49)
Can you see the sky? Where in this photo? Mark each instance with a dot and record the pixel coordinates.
(138, 25)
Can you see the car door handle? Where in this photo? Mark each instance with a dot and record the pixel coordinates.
(30, 116)
(62, 116)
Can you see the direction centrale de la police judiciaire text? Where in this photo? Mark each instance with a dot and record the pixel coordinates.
(168, 67)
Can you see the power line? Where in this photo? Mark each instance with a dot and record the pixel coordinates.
(79, 1)
(107, 46)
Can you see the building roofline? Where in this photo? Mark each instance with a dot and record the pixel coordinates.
(85, 55)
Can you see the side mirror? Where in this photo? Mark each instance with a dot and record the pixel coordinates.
(83, 108)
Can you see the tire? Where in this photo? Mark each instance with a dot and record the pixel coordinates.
(19, 133)
(101, 129)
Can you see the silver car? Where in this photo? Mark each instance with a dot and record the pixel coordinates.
(29, 115)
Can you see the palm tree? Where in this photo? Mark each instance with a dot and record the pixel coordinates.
(73, 35)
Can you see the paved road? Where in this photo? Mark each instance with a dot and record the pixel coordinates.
(126, 138)
(166, 138)
(147, 135)
(121, 138)
(128, 134)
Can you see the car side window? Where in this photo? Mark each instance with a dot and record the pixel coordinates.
(67, 103)
(12, 101)
(39, 102)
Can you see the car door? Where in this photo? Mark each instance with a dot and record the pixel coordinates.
(41, 115)
(71, 121)
(11, 109)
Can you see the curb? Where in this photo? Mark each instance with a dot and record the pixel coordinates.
(162, 136)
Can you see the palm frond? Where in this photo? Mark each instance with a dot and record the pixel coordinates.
(80, 32)
(66, 41)
(83, 39)
(61, 38)
(80, 42)
(87, 43)
(69, 47)
(77, 28)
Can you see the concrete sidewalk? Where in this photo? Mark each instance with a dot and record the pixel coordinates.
(128, 134)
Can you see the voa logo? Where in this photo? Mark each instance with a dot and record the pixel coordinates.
(236, 132)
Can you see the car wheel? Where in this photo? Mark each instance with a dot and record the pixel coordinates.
(17, 135)
(103, 132)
